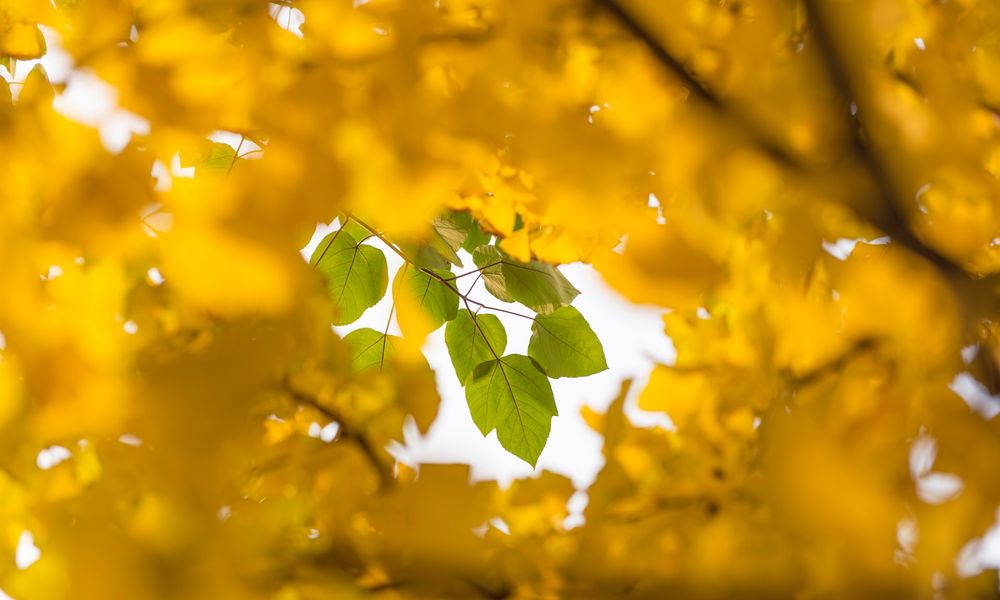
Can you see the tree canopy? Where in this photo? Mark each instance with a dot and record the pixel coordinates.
(807, 188)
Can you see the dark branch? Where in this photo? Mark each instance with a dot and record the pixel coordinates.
(698, 90)
(896, 223)
(346, 431)
(837, 365)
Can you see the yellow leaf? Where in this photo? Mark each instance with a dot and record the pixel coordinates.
(23, 41)
(226, 274)
(516, 245)
(681, 395)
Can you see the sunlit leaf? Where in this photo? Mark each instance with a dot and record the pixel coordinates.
(370, 349)
(474, 234)
(436, 298)
(564, 344)
(513, 396)
(22, 41)
(219, 157)
(37, 89)
(536, 285)
(426, 256)
(357, 231)
(356, 274)
(473, 339)
(447, 238)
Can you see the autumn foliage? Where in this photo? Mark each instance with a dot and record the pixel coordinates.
(809, 189)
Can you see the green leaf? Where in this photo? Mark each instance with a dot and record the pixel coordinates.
(213, 156)
(333, 242)
(469, 345)
(539, 286)
(356, 275)
(564, 344)
(370, 349)
(474, 234)
(437, 252)
(434, 296)
(358, 232)
(490, 260)
(425, 256)
(447, 239)
(219, 157)
(514, 397)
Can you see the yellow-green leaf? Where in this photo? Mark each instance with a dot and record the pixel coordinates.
(513, 396)
(539, 286)
(370, 349)
(435, 297)
(564, 344)
(473, 339)
(357, 274)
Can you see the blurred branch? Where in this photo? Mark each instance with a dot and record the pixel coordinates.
(346, 431)
(992, 108)
(497, 594)
(832, 367)
(896, 223)
(727, 111)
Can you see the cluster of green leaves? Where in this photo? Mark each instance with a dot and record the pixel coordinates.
(509, 393)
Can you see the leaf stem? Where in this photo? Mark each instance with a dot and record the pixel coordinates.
(330, 243)
(388, 322)
(446, 281)
(236, 155)
(474, 271)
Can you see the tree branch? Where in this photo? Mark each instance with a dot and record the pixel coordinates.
(386, 478)
(896, 223)
(833, 366)
(723, 108)
(446, 281)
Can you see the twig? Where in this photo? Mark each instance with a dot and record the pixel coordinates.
(474, 271)
(720, 106)
(836, 365)
(346, 431)
(897, 223)
(444, 280)
(236, 155)
(328, 244)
